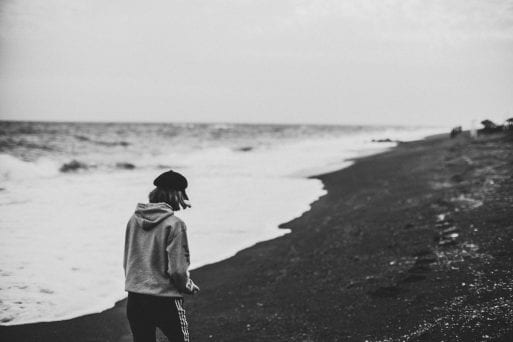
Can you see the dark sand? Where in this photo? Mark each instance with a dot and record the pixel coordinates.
(371, 260)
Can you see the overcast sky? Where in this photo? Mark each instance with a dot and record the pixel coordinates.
(333, 61)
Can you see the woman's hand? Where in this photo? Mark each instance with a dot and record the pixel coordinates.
(191, 287)
(195, 289)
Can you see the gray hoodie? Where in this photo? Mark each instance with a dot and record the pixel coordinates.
(156, 259)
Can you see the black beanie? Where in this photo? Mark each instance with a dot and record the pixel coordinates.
(172, 180)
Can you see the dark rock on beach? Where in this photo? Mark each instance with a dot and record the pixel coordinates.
(126, 166)
(386, 140)
(73, 165)
(245, 149)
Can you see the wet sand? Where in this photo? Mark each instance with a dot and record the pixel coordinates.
(414, 244)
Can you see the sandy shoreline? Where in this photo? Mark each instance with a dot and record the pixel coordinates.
(373, 259)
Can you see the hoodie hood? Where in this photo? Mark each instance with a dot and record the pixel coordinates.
(149, 215)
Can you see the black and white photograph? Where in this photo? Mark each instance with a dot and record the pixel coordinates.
(254, 170)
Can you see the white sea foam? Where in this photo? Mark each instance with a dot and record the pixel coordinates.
(62, 234)
(12, 168)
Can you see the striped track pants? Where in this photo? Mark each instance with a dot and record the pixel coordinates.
(146, 313)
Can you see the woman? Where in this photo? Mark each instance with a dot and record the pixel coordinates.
(156, 263)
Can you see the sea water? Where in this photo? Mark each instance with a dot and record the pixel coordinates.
(68, 189)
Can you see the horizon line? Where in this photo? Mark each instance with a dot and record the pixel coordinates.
(222, 123)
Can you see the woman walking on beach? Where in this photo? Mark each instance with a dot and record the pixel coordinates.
(156, 262)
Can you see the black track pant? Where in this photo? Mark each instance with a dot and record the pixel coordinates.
(147, 312)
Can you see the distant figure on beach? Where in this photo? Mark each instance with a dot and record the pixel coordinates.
(156, 262)
(456, 131)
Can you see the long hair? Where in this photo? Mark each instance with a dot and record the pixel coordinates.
(172, 197)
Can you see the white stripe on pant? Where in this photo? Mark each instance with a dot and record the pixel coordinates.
(183, 320)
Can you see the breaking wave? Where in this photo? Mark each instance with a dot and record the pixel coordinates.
(12, 168)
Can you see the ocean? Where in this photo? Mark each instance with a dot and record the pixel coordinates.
(68, 189)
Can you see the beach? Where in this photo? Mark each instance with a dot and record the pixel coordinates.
(76, 184)
(413, 244)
